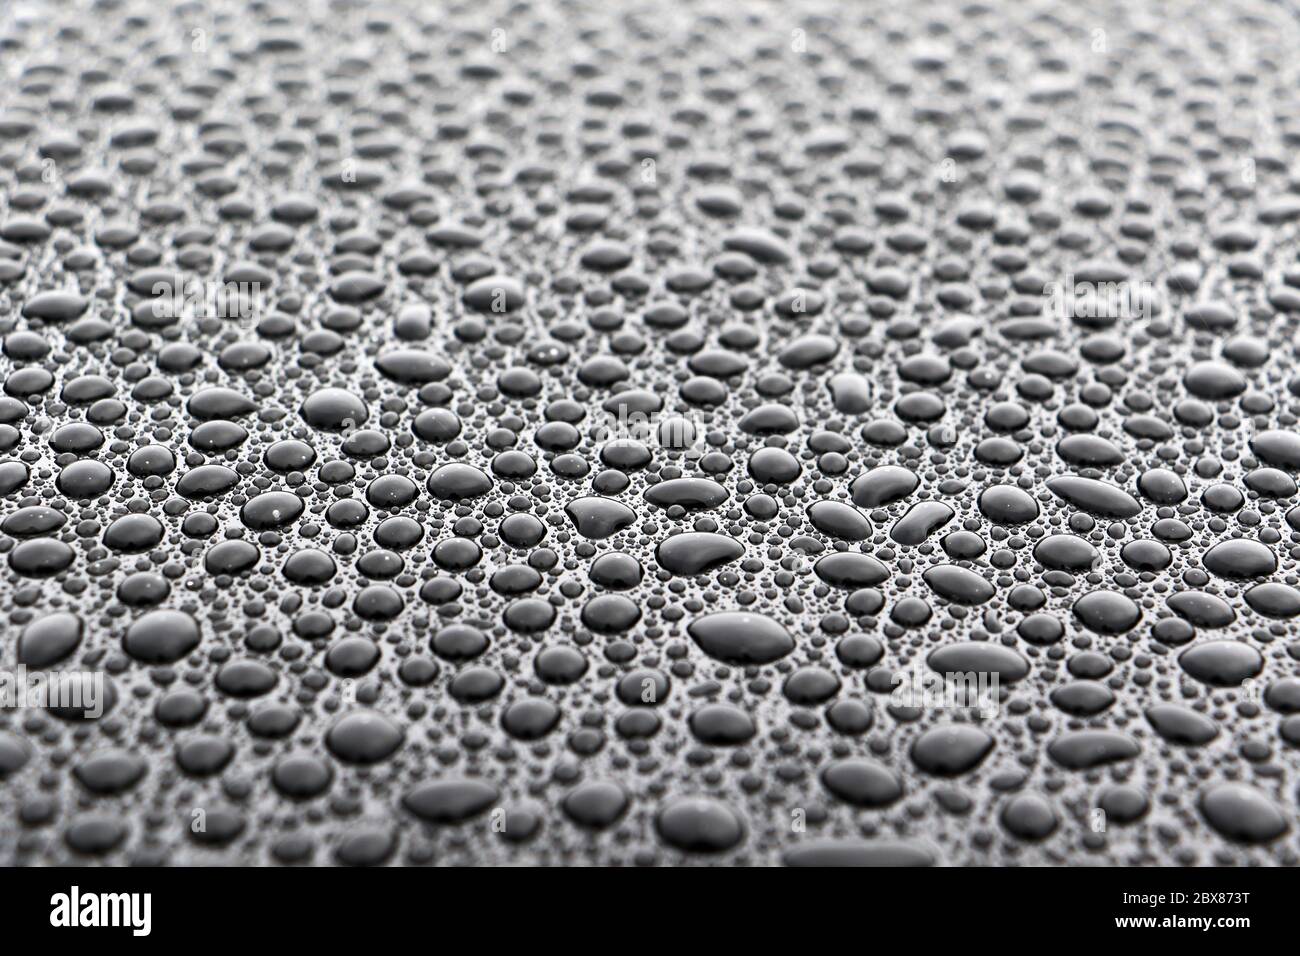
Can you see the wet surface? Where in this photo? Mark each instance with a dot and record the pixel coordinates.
(549, 432)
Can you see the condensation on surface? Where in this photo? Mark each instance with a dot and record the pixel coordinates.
(548, 433)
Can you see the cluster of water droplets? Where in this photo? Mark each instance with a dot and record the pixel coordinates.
(371, 578)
